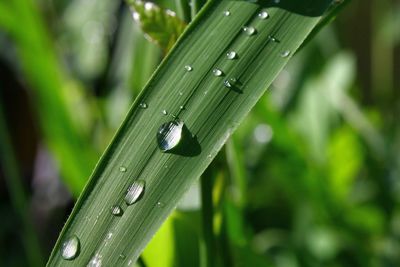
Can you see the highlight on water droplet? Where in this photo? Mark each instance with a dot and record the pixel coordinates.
(188, 68)
(95, 261)
(231, 55)
(249, 30)
(285, 53)
(122, 169)
(165, 112)
(116, 210)
(263, 14)
(169, 135)
(217, 72)
(143, 105)
(272, 38)
(233, 80)
(70, 248)
(160, 204)
(227, 13)
(182, 107)
(134, 192)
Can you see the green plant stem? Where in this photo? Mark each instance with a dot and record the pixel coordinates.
(207, 217)
(18, 196)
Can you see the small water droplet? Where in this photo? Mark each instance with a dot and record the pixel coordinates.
(249, 30)
(182, 107)
(227, 84)
(143, 105)
(116, 210)
(160, 204)
(263, 14)
(122, 256)
(272, 38)
(70, 248)
(188, 68)
(134, 192)
(217, 72)
(169, 135)
(285, 53)
(231, 55)
(122, 169)
(209, 156)
(165, 112)
(180, 93)
(95, 261)
(233, 80)
(227, 13)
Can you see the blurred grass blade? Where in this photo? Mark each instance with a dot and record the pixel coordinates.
(211, 105)
(50, 88)
(161, 26)
(18, 196)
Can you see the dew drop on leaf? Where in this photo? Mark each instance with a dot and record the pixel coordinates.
(227, 84)
(227, 13)
(169, 135)
(249, 30)
(143, 105)
(285, 53)
(122, 169)
(188, 68)
(263, 15)
(134, 192)
(231, 55)
(116, 210)
(70, 248)
(217, 72)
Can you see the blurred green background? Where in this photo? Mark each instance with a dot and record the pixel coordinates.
(311, 178)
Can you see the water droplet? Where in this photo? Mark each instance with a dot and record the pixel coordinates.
(217, 72)
(160, 204)
(227, 13)
(233, 80)
(122, 256)
(70, 248)
(231, 55)
(116, 210)
(169, 135)
(188, 68)
(227, 84)
(134, 192)
(182, 107)
(165, 112)
(95, 261)
(180, 93)
(272, 38)
(249, 30)
(122, 169)
(143, 105)
(263, 15)
(285, 53)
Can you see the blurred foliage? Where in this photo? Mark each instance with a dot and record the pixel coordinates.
(311, 178)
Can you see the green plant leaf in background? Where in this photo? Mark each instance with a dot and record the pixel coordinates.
(215, 74)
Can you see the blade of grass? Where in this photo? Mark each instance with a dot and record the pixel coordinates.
(210, 110)
(18, 196)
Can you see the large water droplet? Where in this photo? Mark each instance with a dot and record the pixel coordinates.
(263, 14)
(249, 30)
(285, 53)
(169, 135)
(122, 169)
(217, 72)
(188, 68)
(143, 105)
(70, 248)
(134, 192)
(227, 13)
(116, 210)
(231, 55)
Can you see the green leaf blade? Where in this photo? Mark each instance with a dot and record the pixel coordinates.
(211, 113)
